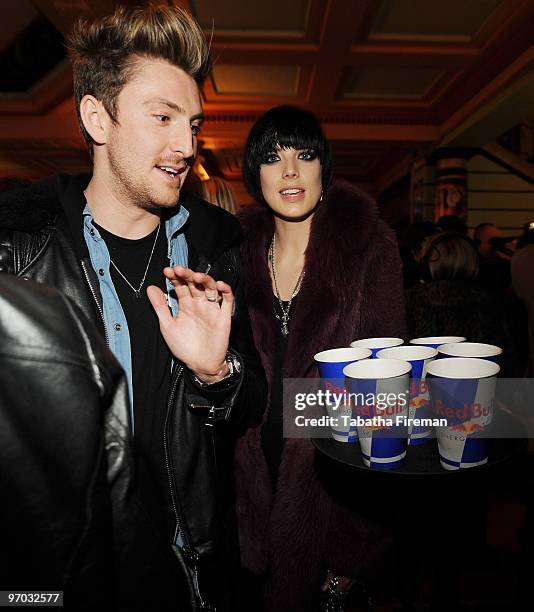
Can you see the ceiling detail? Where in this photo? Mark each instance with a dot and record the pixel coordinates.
(385, 82)
(31, 55)
(278, 18)
(388, 78)
(452, 21)
(238, 80)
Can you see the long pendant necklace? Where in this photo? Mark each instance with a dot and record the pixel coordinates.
(284, 319)
(138, 290)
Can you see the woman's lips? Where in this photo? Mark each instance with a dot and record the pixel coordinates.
(292, 194)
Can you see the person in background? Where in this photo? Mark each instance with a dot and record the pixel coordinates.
(495, 253)
(321, 269)
(452, 224)
(482, 235)
(523, 285)
(219, 192)
(449, 303)
(133, 251)
(410, 245)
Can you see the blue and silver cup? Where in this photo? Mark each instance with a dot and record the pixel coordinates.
(330, 364)
(376, 344)
(379, 393)
(435, 341)
(471, 349)
(462, 391)
(420, 409)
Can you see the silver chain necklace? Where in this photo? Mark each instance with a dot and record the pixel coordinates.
(138, 290)
(284, 319)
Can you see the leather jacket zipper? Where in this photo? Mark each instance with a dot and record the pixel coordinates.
(96, 300)
(189, 552)
(176, 377)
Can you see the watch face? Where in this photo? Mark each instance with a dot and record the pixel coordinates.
(234, 363)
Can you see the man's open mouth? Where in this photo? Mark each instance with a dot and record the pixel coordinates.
(171, 171)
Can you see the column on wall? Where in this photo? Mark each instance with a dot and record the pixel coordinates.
(422, 190)
(450, 187)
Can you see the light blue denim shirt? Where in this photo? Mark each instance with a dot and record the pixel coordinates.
(114, 319)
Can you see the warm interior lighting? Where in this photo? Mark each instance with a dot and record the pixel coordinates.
(200, 171)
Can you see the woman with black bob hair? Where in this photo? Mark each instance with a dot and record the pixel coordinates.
(320, 270)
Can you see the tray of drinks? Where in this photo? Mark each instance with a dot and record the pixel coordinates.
(422, 459)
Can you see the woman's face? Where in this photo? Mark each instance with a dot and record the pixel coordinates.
(291, 182)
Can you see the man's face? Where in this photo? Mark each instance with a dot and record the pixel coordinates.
(159, 116)
(485, 235)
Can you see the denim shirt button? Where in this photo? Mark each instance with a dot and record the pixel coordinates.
(101, 272)
(117, 326)
(92, 232)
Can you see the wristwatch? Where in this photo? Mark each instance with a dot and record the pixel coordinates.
(234, 369)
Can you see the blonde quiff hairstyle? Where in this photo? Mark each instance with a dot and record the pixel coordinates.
(104, 53)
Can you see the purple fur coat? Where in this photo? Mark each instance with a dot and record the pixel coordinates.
(352, 289)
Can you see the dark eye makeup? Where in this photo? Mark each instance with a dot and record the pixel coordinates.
(304, 154)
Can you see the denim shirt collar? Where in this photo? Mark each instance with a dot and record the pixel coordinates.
(172, 225)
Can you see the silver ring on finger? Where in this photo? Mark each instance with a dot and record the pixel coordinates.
(211, 297)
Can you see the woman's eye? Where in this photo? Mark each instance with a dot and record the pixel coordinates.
(307, 155)
(272, 158)
(162, 118)
(195, 129)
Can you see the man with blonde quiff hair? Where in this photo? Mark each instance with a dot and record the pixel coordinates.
(157, 271)
(104, 53)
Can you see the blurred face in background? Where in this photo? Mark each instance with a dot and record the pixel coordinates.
(484, 235)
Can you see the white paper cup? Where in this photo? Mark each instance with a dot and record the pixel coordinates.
(420, 408)
(376, 344)
(471, 349)
(379, 389)
(330, 364)
(435, 341)
(462, 392)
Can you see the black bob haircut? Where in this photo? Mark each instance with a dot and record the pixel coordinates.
(287, 127)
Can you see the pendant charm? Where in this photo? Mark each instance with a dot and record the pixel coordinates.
(137, 294)
(285, 330)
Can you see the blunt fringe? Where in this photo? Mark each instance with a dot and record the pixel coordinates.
(104, 52)
(287, 127)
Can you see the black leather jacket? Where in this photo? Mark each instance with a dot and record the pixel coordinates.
(42, 239)
(65, 454)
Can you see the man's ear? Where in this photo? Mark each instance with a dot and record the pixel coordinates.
(95, 119)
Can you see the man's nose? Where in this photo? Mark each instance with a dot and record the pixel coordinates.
(183, 142)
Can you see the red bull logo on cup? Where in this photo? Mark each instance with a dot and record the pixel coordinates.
(464, 413)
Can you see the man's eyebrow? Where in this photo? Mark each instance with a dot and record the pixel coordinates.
(174, 107)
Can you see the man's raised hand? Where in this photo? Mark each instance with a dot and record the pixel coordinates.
(199, 334)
